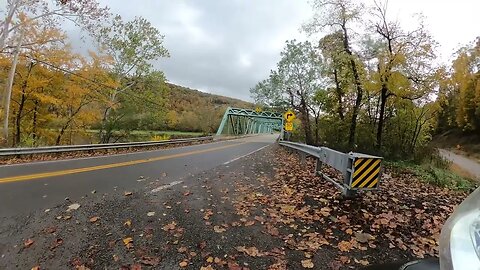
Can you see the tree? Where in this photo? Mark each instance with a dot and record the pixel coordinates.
(82, 12)
(294, 83)
(133, 46)
(21, 14)
(40, 42)
(404, 62)
(338, 16)
(459, 95)
(337, 69)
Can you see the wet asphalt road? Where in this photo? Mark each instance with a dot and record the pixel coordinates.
(37, 186)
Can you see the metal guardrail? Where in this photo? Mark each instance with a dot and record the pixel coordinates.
(360, 171)
(4, 152)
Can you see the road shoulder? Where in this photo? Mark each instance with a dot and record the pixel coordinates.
(264, 211)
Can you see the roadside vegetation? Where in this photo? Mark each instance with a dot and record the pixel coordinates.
(433, 174)
(379, 90)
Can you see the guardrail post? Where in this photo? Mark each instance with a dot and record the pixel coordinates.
(303, 157)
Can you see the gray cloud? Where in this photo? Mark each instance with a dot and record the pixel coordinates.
(226, 46)
(218, 46)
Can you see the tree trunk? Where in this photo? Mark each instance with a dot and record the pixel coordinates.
(34, 123)
(8, 93)
(339, 94)
(18, 120)
(305, 118)
(356, 108)
(12, 8)
(67, 124)
(358, 87)
(381, 118)
(317, 135)
(23, 99)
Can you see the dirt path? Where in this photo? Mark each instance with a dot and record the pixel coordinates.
(471, 166)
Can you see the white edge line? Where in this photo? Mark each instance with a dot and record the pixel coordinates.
(246, 155)
(155, 190)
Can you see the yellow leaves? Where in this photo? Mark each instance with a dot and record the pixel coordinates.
(128, 242)
(183, 264)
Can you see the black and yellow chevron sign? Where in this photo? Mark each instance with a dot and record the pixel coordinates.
(366, 173)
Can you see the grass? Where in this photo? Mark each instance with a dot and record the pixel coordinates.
(433, 175)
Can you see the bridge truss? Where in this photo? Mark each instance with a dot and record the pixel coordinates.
(238, 121)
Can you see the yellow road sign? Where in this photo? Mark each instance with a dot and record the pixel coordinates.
(289, 116)
(258, 110)
(288, 126)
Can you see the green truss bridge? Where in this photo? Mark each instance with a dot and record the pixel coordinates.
(238, 121)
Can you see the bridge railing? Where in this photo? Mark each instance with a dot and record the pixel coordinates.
(359, 171)
(5, 152)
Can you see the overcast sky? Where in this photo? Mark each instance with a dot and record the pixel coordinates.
(226, 46)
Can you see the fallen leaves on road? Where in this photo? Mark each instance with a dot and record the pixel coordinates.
(128, 242)
(74, 206)
(362, 262)
(250, 251)
(219, 229)
(58, 242)
(150, 214)
(170, 226)
(344, 246)
(94, 219)
(150, 261)
(128, 193)
(307, 264)
(403, 215)
(28, 243)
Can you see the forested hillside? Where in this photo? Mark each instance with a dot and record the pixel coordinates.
(193, 110)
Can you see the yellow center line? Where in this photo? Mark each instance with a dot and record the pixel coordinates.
(109, 166)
